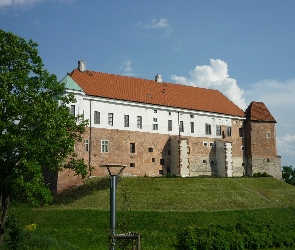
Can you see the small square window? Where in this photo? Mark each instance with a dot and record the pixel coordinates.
(205, 144)
(204, 161)
(153, 160)
(155, 126)
(268, 135)
(242, 148)
(192, 116)
(160, 172)
(162, 161)
(155, 111)
(211, 144)
(150, 149)
(212, 163)
(169, 113)
(132, 165)
(155, 119)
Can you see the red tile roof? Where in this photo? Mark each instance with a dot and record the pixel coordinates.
(257, 111)
(151, 92)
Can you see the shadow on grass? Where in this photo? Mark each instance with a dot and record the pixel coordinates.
(70, 195)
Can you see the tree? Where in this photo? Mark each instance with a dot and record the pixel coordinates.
(36, 128)
(289, 175)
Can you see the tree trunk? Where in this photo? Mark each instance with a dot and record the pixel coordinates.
(4, 212)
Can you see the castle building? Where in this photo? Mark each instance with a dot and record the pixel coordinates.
(158, 128)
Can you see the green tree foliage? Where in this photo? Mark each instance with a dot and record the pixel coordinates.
(289, 175)
(37, 129)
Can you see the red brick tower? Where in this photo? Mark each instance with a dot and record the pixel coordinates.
(260, 141)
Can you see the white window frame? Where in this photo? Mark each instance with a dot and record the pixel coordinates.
(111, 119)
(104, 146)
(139, 122)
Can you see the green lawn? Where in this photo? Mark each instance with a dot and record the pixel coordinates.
(158, 209)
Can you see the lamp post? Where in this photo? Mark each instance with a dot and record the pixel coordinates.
(114, 171)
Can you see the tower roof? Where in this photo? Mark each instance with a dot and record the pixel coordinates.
(257, 111)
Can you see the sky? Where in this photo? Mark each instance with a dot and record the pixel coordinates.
(244, 49)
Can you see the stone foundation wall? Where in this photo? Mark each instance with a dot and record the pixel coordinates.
(272, 166)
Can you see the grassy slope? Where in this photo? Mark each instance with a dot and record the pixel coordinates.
(160, 208)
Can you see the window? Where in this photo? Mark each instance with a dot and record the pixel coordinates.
(218, 130)
(211, 144)
(139, 122)
(268, 135)
(155, 119)
(241, 132)
(72, 110)
(228, 131)
(192, 116)
(204, 162)
(86, 145)
(111, 119)
(153, 159)
(208, 129)
(169, 125)
(155, 126)
(162, 161)
(211, 163)
(126, 120)
(132, 147)
(242, 148)
(155, 111)
(132, 165)
(181, 129)
(169, 113)
(192, 127)
(96, 117)
(150, 149)
(205, 144)
(104, 146)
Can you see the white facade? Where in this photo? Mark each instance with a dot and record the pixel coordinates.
(154, 118)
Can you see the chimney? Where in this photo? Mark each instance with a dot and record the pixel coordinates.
(158, 78)
(82, 66)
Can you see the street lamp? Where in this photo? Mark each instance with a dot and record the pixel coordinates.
(114, 171)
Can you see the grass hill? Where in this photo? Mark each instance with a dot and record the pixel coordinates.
(157, 208)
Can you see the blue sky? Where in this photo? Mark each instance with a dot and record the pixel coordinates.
(245, 49)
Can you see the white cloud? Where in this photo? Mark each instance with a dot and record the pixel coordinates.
(23, 3)
(214, 76)
(155, 24)
(4, 3)
(127, 68)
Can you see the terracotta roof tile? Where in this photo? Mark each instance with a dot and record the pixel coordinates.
(152, 92)
(257, 111)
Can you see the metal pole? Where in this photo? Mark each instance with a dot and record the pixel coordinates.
(113, 210)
